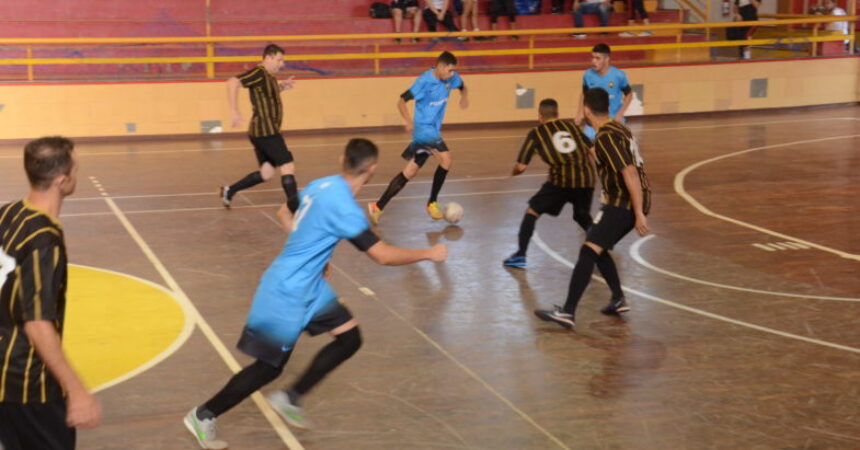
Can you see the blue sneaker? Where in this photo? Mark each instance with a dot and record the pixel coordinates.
(556, 315)
(515, 261)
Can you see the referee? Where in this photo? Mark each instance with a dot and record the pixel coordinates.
(42, 399)
(265, 127)
(626, 200)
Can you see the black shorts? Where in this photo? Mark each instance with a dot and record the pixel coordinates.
(550, 199)
(404, 4)
(421, 152)
(256, 345)
(272, 150)
(35, 426)
(502, 8)
(611, 224)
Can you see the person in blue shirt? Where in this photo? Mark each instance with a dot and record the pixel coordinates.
(430, 92)
(293, 295)
(609, 78)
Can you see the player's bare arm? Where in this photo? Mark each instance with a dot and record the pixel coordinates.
(634, 186)
(84, 410)
(389, 255)
(233, 98)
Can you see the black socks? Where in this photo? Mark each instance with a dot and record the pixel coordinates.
(250, 180)
(397, 183)
(288, 182)
(438, 181)
(527, 228)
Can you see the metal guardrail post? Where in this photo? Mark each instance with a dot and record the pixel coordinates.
(29, 66)
(531, 55)
(376, 60)
(210, 66)
(815, 44)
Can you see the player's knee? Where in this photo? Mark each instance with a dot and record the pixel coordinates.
(287, 169)
(532, 212)
(410, 171)
(592, 248)
(267, 171)
(350, 340)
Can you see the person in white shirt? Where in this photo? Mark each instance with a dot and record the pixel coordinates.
(830, 7)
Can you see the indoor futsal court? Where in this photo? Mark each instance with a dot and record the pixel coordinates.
(743, 331)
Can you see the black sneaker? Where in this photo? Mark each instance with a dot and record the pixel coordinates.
(556, 315)
(616, 306)
(226, 198)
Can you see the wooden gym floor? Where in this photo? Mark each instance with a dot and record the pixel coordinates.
(743, 333)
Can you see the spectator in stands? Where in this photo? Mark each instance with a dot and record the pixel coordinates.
(470, 11)
(637, 6)
(831, 8)
(438, 11)
(557, 6)
(600, 7)
(744, 11)
(503, 8)
(401, 9)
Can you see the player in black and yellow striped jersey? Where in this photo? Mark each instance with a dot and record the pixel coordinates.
(265, 127)
(35, 377)
(626, 200)
(564, 148)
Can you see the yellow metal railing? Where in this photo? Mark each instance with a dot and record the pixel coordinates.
(210, 59)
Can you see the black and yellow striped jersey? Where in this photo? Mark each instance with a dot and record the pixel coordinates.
(32, 287)
(564, 147)
(616, 149)
(265, 100)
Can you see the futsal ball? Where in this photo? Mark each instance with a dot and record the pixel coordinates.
(453, 212)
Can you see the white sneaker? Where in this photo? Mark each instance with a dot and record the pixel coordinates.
(646, 33)
(578, 35)
(204, 431)
(293, 414)
(627, 34)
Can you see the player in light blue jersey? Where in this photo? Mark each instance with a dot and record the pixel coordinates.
(430, 92)
(294, 296)
(609, 78)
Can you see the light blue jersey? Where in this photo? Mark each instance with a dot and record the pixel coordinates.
(293, 290)
(431, 99)
(614, 83)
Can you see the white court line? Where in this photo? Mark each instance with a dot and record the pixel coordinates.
(276, 422)
(700, 312)
(213, 193)
(270, 205)
(367, 292)
(635, 252)
(406, 141)
(184, 334)
(679, 188)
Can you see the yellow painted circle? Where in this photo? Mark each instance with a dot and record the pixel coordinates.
(117, 325)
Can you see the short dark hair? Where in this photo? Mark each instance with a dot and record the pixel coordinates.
(548, 108)
(447, 58)
(359, 155)
(273, 49)
(601, 48)
(47, 158)
(597, 100)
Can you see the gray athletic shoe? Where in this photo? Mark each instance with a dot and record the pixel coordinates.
(204, 431)
(293, 414)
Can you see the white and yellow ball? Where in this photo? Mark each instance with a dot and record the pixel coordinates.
(453, 212)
